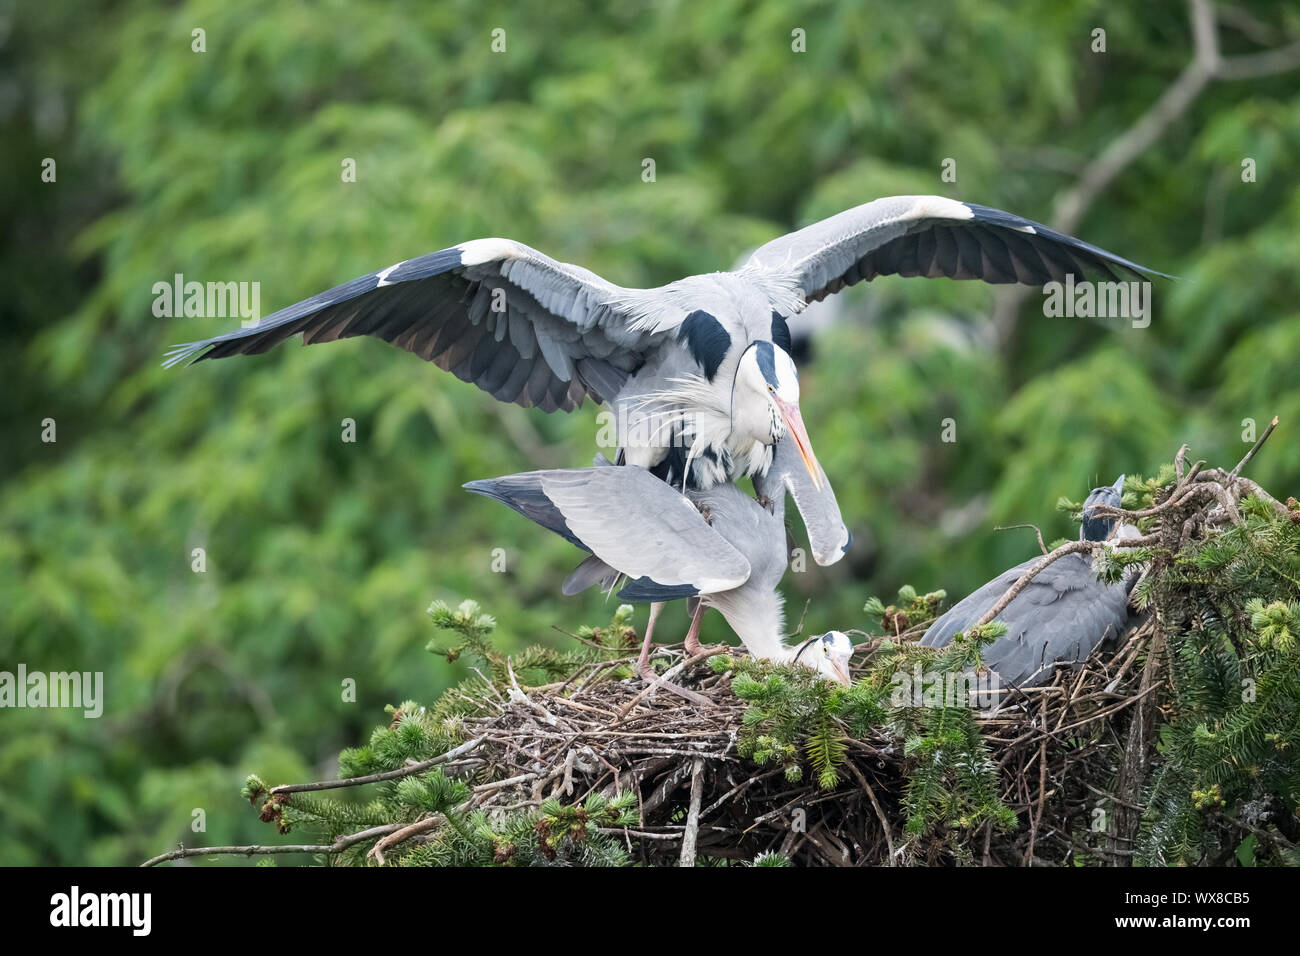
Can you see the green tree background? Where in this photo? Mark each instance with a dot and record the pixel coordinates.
(322, 556)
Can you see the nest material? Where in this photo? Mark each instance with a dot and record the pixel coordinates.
(1072, 757)
(1064, 752)
(1070, 761)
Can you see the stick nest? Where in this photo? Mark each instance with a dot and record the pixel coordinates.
(1071, 759)
(1061, 751)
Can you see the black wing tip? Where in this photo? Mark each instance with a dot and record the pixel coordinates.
(420, 267)
(999, 217)
(186, 352)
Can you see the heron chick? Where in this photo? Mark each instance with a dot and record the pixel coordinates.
(1063, 614)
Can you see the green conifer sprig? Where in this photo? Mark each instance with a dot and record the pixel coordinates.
(474, 628)
(1228, 783)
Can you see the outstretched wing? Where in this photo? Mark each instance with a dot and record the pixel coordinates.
(927, 236)
(635, 523)
(519, 325)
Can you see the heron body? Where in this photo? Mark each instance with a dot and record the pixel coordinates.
(1063, 614)
(716, 544)
(698, 370)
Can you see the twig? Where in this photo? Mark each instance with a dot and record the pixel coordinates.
(378, 777)
(880, 813)
(338, 846)
(693, 814)
(376, 852)
(1042, 785)
(1232, 475)
(1012, 527)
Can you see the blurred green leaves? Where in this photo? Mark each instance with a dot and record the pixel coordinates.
(322, 555)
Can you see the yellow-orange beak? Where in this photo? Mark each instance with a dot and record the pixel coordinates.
(794, 424)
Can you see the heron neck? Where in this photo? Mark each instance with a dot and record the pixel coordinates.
(757, 619)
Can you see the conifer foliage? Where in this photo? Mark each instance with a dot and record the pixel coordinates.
(1229, 781)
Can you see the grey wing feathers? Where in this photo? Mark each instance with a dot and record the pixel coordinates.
(634, 523)
(928, 236)
(519, 325)
(590, 572)
(1069, 636)
(1060, 617)
(646, 589)
(524, 494)
(642, 527)
(593, 571)
(971, 608)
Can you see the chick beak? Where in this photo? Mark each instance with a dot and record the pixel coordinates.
(841, 669)
(794, 424)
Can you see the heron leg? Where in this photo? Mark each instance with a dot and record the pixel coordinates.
(647, 673)
(643, 662)
(693, 645)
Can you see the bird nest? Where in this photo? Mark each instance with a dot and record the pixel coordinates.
(769, 762)
(1052, 775)
(1052, 749)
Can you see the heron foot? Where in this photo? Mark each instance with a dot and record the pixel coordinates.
(647, 674)
(694, 648)
(692, 643)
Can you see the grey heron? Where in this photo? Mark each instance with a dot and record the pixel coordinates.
(1060, 617)
(697, 371)
(717, 545)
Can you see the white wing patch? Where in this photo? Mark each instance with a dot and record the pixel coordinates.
(383, 276)
(478, 251)
(937, 207)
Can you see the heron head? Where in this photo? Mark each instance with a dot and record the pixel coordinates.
(828, 654)
(765, 401)
(1097, 527)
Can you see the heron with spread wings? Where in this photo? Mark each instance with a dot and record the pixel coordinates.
(698, 371)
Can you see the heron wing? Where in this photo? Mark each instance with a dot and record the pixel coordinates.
(590, 572)
(1061, 616)
(636, 524)
(520, 325)
(927, 236)
(523, 493)
(644, 528)
(971, 608)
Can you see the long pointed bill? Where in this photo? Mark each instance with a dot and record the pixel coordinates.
(842, 673)
(794, 424)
